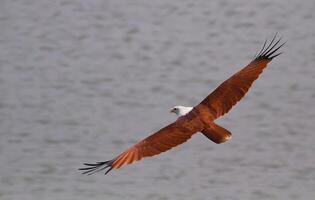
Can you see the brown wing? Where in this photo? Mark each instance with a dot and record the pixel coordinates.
(223, 98)
(166, 138)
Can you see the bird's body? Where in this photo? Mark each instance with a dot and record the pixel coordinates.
(196, 119)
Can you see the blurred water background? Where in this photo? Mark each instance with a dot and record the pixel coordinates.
(80, 81)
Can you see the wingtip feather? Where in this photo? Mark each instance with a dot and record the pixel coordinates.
(269, 51)
(96, 167)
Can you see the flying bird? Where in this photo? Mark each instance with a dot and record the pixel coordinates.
(199, 118)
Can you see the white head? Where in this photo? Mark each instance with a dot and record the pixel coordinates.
(181, 110)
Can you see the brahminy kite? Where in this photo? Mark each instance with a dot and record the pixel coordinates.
(199, 118)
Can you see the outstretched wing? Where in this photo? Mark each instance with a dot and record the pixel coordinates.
(223, 98)
(166, 138)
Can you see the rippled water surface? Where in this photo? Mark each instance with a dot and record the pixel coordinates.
(80, 81)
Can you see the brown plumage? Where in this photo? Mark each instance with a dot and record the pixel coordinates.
(200, 118)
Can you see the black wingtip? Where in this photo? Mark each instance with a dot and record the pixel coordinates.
(269, 51)
(96, 167)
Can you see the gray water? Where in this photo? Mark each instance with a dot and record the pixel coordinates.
(80, 81)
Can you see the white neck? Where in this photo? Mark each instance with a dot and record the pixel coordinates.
(183, 110)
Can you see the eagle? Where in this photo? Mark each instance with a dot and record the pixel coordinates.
(196, 119)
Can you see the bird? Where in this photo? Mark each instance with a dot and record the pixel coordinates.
(200, 118)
